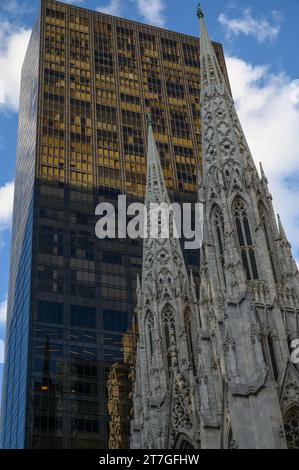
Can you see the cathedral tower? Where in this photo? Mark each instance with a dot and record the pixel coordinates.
(249, 280)
(165, 407)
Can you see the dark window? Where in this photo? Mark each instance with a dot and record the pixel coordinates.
(83, 290)
(150, 328)
(86, 425)
(245, 240)
(272, 357)
(188, 328)
(112, 258)
(115, 320)
(219, 239)
(49, 312)
(106, 114)
(83, 316)
(192, 258)
(82, 219)
(264, 217)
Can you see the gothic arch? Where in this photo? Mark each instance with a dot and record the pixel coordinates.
(291, 427)
(233, 177)
(218, 236)
(218, 225)
(272, 355)
(270, 352)
(183, 442)
(244, 236)
(149, 332)
(243, 197)
(188, 329)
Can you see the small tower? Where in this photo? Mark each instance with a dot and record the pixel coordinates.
(165, 409)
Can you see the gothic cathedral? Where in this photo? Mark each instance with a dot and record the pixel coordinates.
(215, 371)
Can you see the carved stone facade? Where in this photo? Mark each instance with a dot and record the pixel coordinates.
(215, 372)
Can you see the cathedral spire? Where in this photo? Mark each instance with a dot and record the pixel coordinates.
(210, 69)
(223, 138)
(156, 193)
(168, 320)
(155, 184)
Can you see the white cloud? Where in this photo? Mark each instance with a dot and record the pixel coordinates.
(3, 310)
(73, 2)
(113, 8)
(268, 107)
(1, 351)
(152, 11)
(2, 92)
(13, 44)
(260, 28)
(6, 205)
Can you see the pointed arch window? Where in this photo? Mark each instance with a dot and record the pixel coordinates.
(291, 427)
(264, 217)
(272, 356)
(183, 443)
(245, 239)
(218, 225)
(149, 332)
(269, 354)
(169, 333)
(188, 329)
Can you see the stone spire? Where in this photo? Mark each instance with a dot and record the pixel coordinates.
(237, 262)
(222, 134)
(210, 69)
(282, 234)
(168, 322)
(156, 191)
(289, 269)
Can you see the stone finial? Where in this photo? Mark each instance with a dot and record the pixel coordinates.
(263, 176)
(149, 119)
(199, 11)
(282, 233)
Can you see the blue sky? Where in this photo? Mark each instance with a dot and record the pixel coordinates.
(260, 39)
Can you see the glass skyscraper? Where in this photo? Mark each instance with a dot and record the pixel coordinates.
(88, 81)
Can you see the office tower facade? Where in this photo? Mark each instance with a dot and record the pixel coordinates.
(88, 81)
